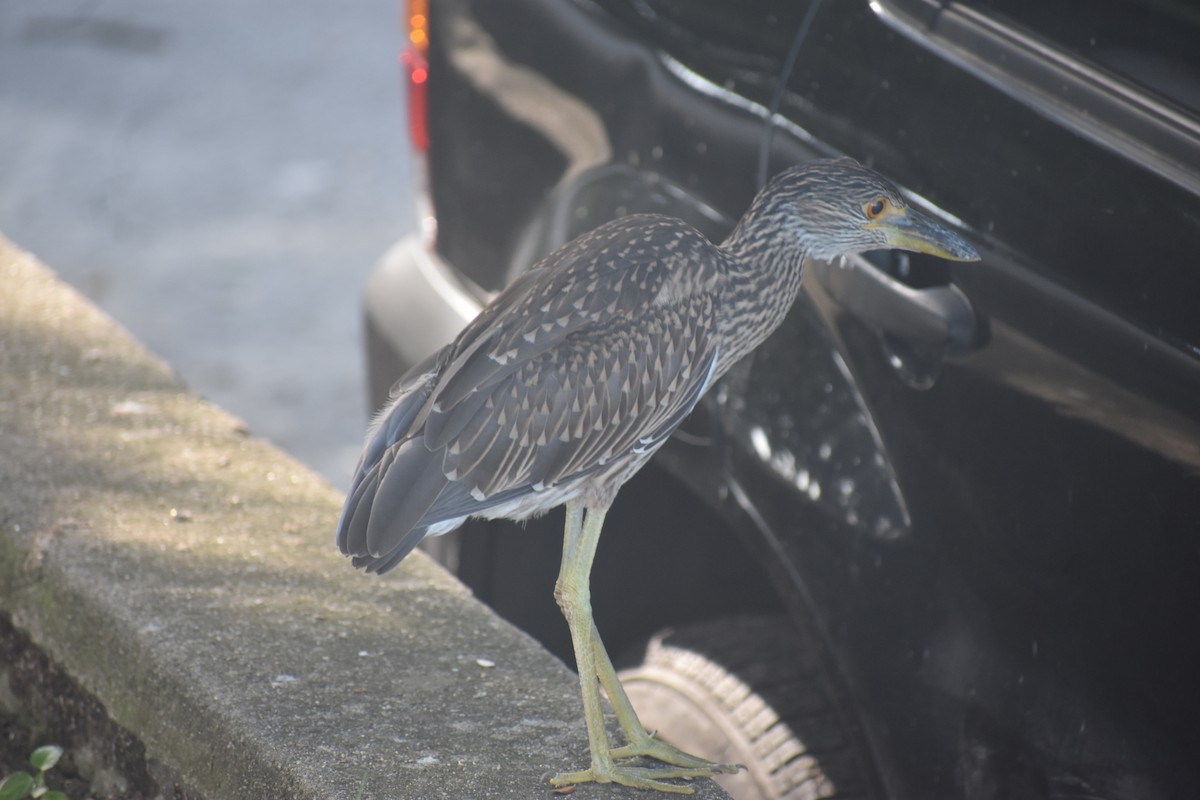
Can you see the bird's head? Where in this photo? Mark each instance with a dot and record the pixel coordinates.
(839, 207)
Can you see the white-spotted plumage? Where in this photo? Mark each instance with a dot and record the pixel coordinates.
(567, 383)
(577, 373)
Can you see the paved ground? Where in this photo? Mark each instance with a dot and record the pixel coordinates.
(181, 573)
(218, 176)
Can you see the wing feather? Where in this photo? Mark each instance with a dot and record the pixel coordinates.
(596, 355)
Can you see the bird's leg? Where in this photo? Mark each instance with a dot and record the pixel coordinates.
(574, 599)
(641, 742)
(573, 593)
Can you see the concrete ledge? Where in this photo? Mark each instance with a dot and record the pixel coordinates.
(183, 573)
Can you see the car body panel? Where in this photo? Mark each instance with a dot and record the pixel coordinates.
(982, 501)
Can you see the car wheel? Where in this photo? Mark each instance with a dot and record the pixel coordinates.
(745, 691)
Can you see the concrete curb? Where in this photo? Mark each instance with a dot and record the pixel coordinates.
(183, 573)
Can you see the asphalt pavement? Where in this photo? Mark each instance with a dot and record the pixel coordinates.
(219, 177)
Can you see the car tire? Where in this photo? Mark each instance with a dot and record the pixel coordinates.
(744, 691)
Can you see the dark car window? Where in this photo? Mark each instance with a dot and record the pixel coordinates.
(1152, 43)
(1124, 73)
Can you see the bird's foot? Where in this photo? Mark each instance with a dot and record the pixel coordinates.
(648, 746)
(654, 778)
(678, 764)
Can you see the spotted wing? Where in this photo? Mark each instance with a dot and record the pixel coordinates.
(598, 357)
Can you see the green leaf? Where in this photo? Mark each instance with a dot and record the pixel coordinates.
(55, 795)
(16, 786)
(46, 757)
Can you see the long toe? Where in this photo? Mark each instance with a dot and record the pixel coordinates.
(652, 778)
(649, 747)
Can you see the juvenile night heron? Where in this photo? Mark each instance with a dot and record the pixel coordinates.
(565, 385)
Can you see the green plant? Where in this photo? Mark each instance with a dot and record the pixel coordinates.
(22, 784)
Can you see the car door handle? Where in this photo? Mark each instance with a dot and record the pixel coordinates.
(938, 317)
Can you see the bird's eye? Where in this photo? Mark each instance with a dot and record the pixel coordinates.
(876, 207)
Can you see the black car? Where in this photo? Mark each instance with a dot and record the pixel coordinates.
(939, 537)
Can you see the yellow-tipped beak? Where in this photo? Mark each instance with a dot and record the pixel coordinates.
(907, 229)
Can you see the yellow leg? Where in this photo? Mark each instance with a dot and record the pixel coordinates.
(573, 594)
(640, 741)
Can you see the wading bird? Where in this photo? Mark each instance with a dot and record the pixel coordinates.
(572, 377)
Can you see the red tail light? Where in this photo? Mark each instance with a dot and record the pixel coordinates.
(417, 66)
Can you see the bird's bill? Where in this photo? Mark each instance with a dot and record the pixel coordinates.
(911, 230)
